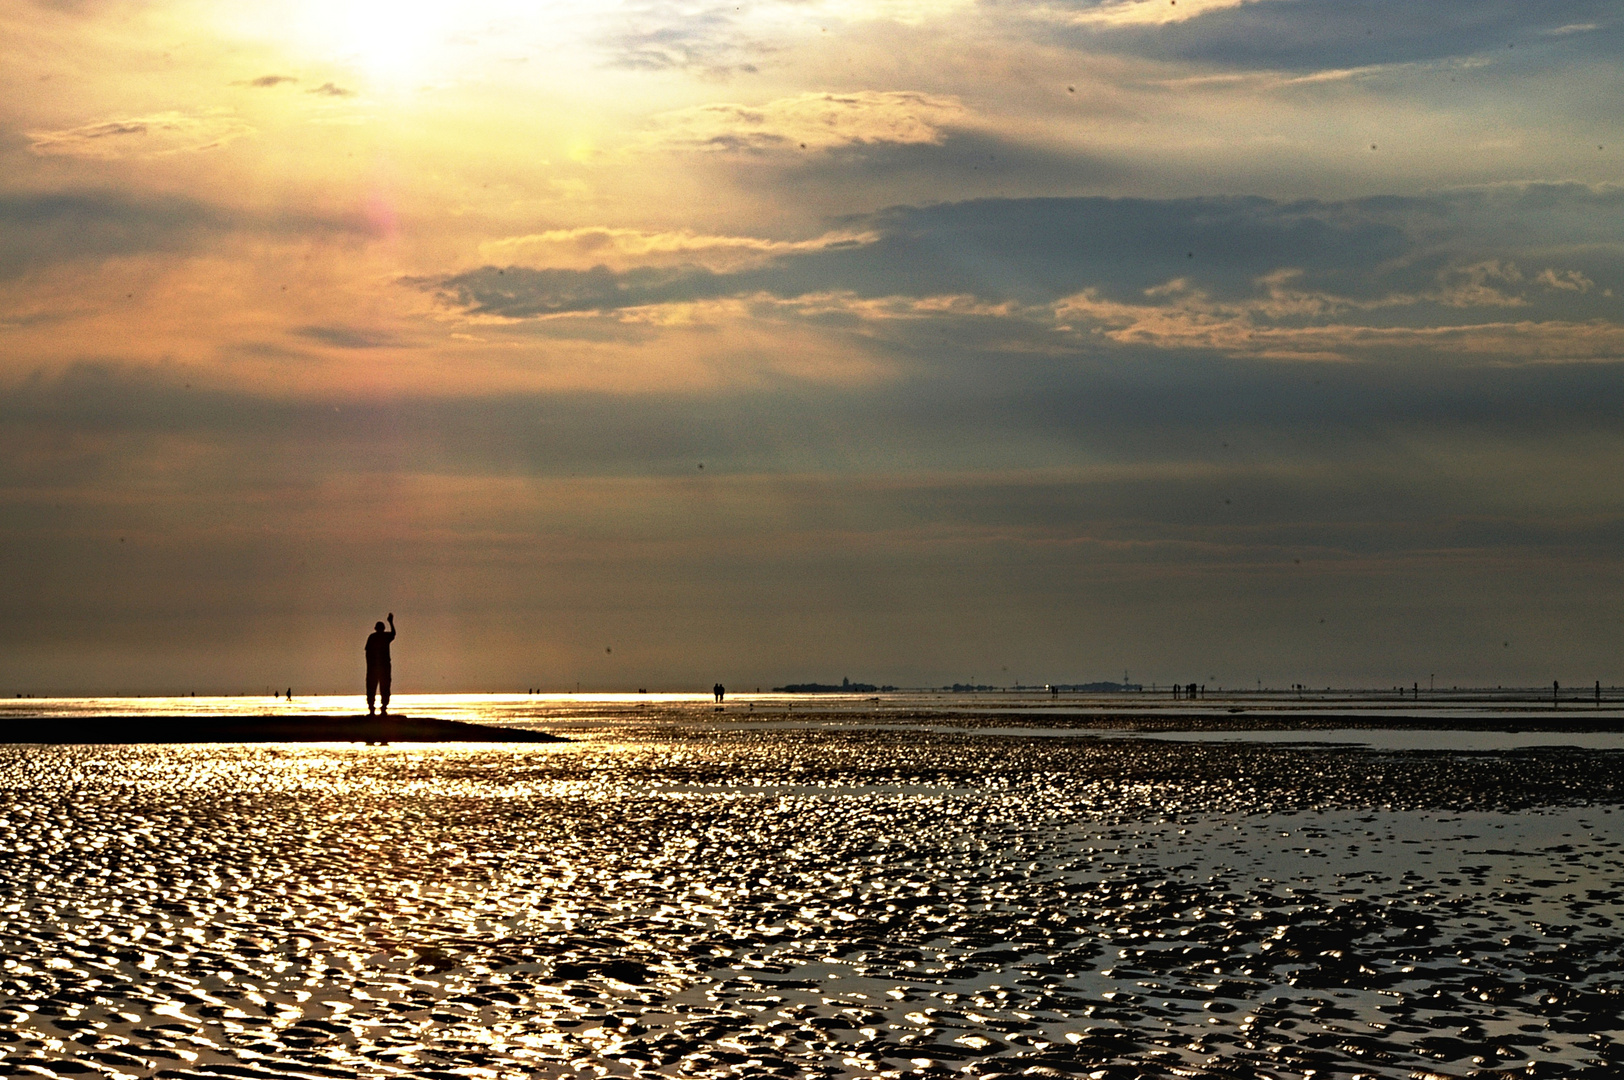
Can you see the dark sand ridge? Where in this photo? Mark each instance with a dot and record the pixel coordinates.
(259, 729)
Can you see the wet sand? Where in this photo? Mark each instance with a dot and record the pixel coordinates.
(262, 729)
(687, 899)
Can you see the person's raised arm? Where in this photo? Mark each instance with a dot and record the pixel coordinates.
(391, 626)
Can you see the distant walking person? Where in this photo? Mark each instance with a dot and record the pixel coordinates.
(378, 663)
(720, 691)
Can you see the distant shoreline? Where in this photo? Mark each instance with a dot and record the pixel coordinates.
(146, 730)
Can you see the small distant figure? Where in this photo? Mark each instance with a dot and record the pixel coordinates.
(720, 691)
(290, 693)
(378, 663)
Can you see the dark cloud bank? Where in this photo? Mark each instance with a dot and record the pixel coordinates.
(1182, 518)
(1335, 34)
(45, 229)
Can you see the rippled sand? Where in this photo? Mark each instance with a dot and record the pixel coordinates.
(702, 902)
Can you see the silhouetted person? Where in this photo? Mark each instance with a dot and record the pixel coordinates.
(721, 691)
(378, 663)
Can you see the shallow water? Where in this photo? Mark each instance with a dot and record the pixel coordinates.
(1488, 709)
(694, 900)
(1460, 739)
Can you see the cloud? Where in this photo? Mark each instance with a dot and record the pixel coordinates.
(620, 248)
(272, 80)
(814, 121)
(347, 337)
(518, 292)
(708, 42)
(1121, 13)
(723, 40)
(328, 89)
(1245, 330)
(1093, 490)
(1130, 407)
(37, 231)
(155, 135)
(1314, 35)
(1567, 280)
(1237, 277)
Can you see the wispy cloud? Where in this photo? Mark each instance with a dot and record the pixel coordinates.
(1245, 330)
(708, 41)
(822, 121)
(621, 248)
(518, 292)
(153, 135)
(348, 337)
(1124, 13)
(1566, 280)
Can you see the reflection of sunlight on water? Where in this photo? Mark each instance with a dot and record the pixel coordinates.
(789, 903)
(487, 708)
(1036, 712)
(465, 705)
(614, 716)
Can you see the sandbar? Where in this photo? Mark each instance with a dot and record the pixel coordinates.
(262, 729)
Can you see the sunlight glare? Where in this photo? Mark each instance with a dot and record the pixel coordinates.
(390, 41)
(402, 43)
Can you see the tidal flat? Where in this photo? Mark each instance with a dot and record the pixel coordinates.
(700, 900)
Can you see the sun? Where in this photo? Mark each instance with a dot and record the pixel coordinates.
(390, 41)
(407, 43)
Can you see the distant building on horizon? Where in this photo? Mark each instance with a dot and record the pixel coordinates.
(846, 687)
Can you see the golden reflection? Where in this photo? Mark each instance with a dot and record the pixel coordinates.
(480, 912)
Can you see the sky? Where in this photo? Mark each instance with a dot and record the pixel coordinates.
(656, 344)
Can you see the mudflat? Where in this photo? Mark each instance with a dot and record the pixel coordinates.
(685, 900)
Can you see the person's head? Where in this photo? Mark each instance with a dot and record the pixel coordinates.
(377, 626)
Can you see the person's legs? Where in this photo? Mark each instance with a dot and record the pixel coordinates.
(383, 688)
(372, 689)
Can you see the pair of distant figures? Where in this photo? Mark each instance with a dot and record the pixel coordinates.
(378, 673)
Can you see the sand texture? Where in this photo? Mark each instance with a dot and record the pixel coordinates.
(794, 903)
